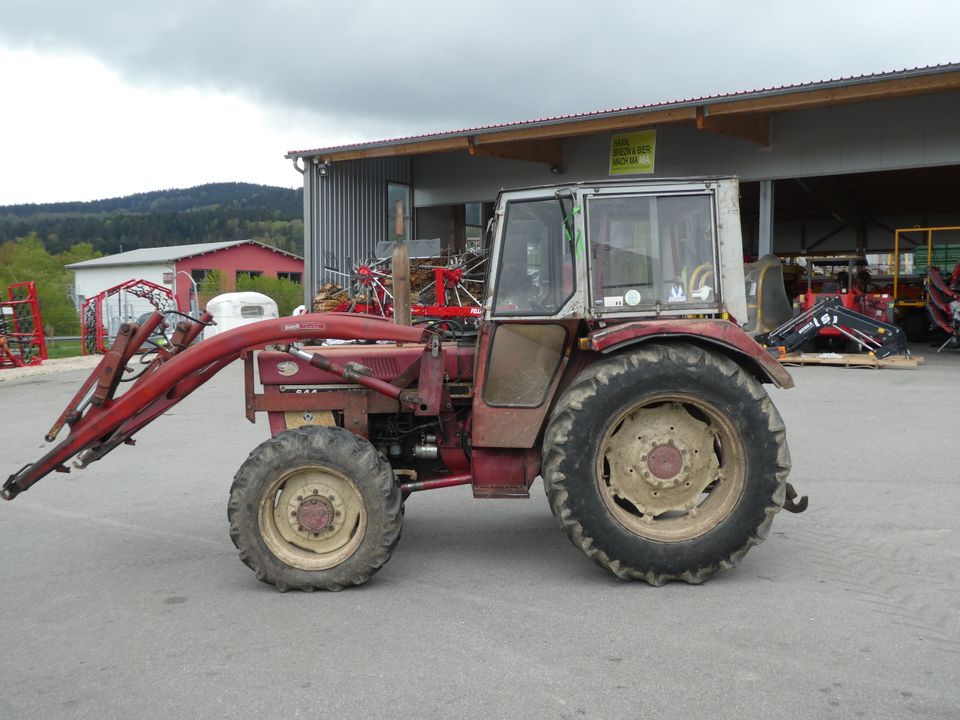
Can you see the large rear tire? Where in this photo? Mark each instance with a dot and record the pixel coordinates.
(315, 508)
(665, 463)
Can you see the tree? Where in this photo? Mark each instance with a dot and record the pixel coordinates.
(285, 293)
(26, 259)
(209, 287)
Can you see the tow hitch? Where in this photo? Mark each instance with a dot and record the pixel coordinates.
(791, 504)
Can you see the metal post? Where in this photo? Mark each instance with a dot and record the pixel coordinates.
(766, 218)
(195, 298)
(310, 234)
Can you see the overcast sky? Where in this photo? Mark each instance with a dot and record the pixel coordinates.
(122, 96)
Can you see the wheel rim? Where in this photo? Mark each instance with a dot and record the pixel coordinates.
(312, 517)
(671, 468)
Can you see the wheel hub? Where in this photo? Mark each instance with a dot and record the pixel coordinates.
(665, 462)
(661, 459)
(315, 514)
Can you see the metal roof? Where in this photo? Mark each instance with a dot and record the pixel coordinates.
(152, 256)
(704, 103)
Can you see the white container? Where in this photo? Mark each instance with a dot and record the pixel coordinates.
(231, 310)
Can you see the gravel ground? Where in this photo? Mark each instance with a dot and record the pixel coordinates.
(47, 367)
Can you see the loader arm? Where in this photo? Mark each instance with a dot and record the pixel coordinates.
(99, 421)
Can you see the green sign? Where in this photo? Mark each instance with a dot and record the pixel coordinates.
(633, 153)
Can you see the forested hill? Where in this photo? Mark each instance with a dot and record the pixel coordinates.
(205, 213)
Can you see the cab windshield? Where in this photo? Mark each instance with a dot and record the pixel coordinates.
(651, 251)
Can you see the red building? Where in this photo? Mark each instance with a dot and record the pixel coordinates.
(241, 257)
(181, 267)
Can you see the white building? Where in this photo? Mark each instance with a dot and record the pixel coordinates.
(180, 268)
(158, 265)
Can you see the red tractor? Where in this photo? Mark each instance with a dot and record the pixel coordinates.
(607, 362)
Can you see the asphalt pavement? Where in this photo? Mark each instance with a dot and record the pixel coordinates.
(122, 596)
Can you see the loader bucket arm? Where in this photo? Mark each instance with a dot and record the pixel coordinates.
(99, 421)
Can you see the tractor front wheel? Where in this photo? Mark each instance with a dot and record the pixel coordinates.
(315, 508)
(665, 463)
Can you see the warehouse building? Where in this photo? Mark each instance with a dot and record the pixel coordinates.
(829, 166)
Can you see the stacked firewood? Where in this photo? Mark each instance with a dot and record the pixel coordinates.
(421, 275)
(329, 297)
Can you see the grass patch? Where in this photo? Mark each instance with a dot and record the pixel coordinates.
(63, 349)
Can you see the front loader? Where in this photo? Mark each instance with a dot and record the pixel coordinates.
(609, 361)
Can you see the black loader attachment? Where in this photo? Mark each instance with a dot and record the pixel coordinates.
(873, 336)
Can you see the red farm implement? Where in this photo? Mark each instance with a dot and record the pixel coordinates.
(102, 315)
(943, 303)
(22, 340)
(451, 292)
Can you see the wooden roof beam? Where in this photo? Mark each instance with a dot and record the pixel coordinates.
(549, 152)
(572, 128)
(414, 147)
(553, 131)
(799, 100)
(754, 127)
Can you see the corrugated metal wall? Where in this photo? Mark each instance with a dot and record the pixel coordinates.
(350, 212)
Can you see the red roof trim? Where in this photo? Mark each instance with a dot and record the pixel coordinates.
(238, 244)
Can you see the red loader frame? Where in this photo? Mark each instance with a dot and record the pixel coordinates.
(99, 421)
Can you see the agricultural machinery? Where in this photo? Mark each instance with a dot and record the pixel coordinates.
(22, 341)
(608, 361)
(839, 312)
(445, 292)
(943, 302)
(101, 315)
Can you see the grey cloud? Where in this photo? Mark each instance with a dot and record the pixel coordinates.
(392, 68)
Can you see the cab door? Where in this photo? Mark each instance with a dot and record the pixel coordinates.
(526, 340)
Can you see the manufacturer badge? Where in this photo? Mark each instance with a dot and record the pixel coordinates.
(288, 368)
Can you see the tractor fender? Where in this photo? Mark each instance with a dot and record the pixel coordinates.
(721, 335)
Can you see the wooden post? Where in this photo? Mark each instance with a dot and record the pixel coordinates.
(399, 229)
(401, 283)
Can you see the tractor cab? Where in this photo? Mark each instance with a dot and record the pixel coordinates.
(609, 251)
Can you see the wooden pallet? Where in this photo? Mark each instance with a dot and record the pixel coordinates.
(851, 360)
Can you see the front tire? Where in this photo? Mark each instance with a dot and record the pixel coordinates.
(665, 463)
(315, 508)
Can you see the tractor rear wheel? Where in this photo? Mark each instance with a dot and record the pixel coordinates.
(315, 508)
(665, 463)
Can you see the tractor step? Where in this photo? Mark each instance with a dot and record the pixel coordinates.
(850, 360)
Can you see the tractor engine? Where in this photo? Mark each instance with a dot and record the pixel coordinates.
(417, 446)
